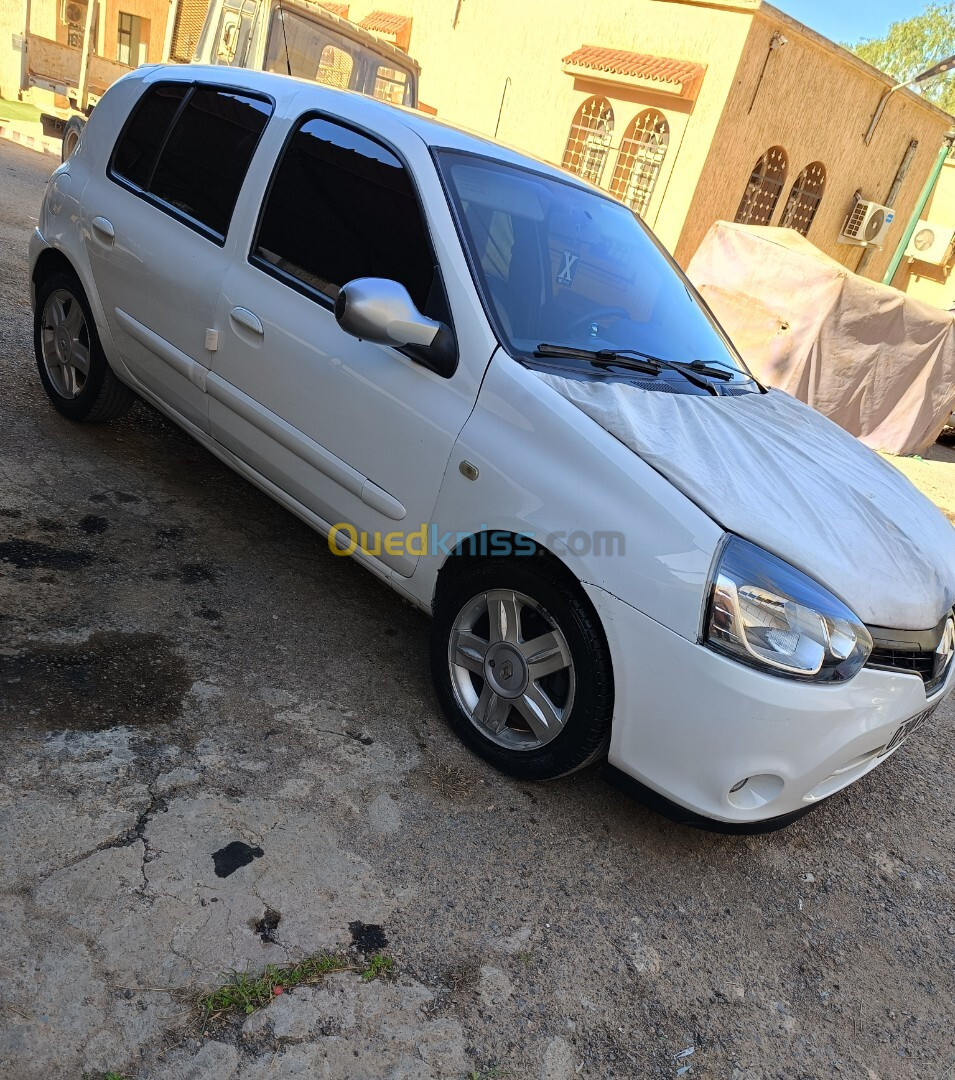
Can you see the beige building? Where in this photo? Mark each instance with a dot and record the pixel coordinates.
(690, 110)
(131, 32)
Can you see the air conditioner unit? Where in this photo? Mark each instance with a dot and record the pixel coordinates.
(867, 224)
(72, 12)
(931, 243)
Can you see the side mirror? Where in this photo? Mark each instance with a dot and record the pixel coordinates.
(380, 310)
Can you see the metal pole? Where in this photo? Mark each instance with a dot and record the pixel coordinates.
(507, 83)
(919, 207)
(170, 30)
(91, 15)
(890, 198)
(877, 116)
(25, 54)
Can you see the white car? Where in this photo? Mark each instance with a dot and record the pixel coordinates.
(486, 381)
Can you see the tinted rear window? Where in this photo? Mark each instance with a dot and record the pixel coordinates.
(139, 144)
(190, 147)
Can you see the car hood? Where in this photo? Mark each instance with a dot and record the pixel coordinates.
(775, 471)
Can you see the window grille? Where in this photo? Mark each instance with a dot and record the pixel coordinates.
(640, 159)
(804, 198)
(588, 143)
(764, 188)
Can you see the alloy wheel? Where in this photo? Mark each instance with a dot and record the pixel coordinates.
(511, 669)
(65, 343)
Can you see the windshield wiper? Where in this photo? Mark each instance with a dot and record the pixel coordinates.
(696, 373)
(600, 357)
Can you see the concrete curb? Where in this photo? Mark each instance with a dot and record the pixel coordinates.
(31, 136)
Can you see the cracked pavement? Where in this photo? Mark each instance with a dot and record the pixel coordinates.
(184, 666)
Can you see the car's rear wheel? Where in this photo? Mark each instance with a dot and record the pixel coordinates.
(521, 666)
(71, 136)
(72, 365)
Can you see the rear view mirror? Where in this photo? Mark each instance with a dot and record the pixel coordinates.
(381, 310)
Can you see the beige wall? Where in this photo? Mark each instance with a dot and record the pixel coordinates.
(814, 100)
(816, 103)
(934, 284)
(465, 69)
(154, 14)
(12, 13)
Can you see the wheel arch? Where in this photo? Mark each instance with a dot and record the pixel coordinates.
(51, 261)
(479, 546)
(495, 543)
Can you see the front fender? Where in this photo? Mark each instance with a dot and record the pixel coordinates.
(547, 470)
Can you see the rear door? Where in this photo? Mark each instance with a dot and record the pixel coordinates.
(156, 224)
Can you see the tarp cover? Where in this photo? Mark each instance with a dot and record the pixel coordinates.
(781, 475)
(879, 363)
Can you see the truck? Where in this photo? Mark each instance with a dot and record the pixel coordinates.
(292, 37)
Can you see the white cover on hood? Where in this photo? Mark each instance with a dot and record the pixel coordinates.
(778, 473)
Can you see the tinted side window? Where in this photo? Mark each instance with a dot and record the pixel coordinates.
(340, 207)
(207, 155)
(139, 144)
(197, 152)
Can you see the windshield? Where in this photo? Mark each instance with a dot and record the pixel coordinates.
(566, 266)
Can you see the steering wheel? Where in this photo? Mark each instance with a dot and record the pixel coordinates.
(584, 322)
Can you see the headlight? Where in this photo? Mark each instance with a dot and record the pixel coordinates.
(767, 613)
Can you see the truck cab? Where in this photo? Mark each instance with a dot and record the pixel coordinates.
(303, 39)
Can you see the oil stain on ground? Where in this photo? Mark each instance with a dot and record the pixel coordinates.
(228, 859)
(110, 679)
(367, 937)
(33, 555)
(93, 524)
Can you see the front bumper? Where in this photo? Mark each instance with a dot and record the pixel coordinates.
(691, 724)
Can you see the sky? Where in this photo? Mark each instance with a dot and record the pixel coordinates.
(850, 20)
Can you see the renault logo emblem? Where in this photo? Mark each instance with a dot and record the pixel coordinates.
(507, 669)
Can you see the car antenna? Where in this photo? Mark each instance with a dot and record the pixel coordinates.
(288, 62)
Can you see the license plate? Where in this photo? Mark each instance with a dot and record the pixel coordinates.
(908, 728)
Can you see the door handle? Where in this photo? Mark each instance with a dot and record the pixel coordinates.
(245, 318)
(104, 227)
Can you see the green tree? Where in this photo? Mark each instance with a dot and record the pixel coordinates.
(911, 46)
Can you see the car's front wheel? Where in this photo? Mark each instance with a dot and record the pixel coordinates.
(521, 666)
(73, 367)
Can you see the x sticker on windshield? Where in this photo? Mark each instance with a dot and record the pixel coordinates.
(568, 268)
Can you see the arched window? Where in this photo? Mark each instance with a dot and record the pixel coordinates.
(804, 198)
(589, 140)
(764, 188)
(641, 155)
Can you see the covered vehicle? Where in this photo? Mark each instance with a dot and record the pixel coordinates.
(879, 363)
(486, 381)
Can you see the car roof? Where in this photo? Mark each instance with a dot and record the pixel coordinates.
(309, 95)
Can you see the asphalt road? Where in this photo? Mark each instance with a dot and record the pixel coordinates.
(184, 666)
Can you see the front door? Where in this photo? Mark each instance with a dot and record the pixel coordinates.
(358, 433)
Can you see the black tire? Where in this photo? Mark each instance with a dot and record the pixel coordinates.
(71, 136)
(557, 600)
(102, 396)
